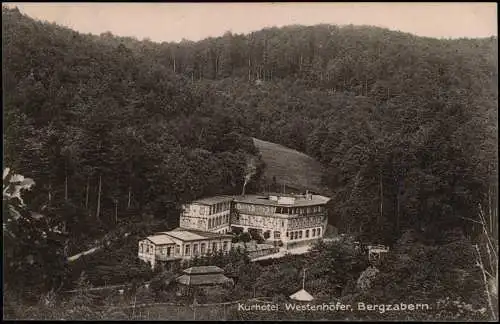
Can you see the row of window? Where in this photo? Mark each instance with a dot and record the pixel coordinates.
(312, 220)
(203, 248)
(280, 210)
(255, 208)
(253, 220)
(220, 207)
(297, 235)
(200, 248)
(299, 210)
(266, 221)
(217, 221)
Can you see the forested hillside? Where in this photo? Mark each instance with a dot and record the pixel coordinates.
(109, 134)
(405, 126)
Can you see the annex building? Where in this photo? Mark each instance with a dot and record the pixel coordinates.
(181, 244)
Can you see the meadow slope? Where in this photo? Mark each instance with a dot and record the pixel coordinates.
(290, 167)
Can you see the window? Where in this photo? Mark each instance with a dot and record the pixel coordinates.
(300, 234)
(214, 246)
(177, 250)
(147, 248)
(286, 234)
(313, 232)
(319, 231)
(195, 249)
(169, 251)
(202, 248)
(282, 223)
(307, 233)
(277, 235)
(225, 246)
(187, 250)
(209, 223)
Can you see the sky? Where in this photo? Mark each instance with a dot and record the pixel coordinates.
(195, 21)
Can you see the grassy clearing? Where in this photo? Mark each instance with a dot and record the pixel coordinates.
(290, 167)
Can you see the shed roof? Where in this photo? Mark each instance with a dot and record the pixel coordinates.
(203, 270)
(204, 279)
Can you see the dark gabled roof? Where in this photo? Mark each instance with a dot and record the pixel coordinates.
(204, 280)
(203, 270)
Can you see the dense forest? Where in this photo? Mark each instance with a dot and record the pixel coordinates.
(112, 128)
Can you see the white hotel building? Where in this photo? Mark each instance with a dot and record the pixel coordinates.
(292, 219)
(284, 220)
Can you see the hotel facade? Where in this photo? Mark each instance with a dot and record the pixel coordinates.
(287, 220)
(284, 221)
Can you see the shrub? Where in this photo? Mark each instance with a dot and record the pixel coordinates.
(245, 237)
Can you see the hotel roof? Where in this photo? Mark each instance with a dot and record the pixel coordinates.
(300, 201)
(193, 235)
(212, 200)
(161, 239)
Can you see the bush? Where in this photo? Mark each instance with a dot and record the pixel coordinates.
(245, 237)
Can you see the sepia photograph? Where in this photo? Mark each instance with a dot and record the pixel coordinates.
(259, 161)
